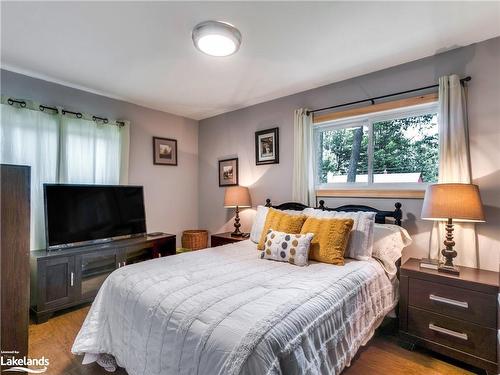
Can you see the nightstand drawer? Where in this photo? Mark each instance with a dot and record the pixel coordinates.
(475, 307)
(453, 333)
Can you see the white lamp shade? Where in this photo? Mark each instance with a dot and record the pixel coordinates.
(460, 202)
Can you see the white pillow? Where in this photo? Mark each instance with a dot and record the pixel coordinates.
(260, 221)
(389, 242)
(360, 245)
(284, 247)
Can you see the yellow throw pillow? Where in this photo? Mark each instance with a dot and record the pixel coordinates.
(330, 239)
(281, 222)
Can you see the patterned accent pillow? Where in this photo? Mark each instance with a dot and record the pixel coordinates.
(287, 247)
(281, 221)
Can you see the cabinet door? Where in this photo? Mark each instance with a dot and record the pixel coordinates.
(92, 269)
(133, 255)
(57, 282)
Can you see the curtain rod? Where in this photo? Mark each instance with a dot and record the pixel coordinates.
(22, 104)
(372, 100)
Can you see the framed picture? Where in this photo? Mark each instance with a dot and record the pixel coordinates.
(164, 151)
(267, 146)
(228, 172)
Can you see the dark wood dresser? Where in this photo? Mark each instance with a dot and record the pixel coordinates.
(15, 250)
(225, 238)
(453, 315)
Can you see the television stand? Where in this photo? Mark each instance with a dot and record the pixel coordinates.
(72, 276)
(155, 234)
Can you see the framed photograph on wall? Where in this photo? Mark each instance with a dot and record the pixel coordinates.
(164, 151)
(228, 172)
(267, 146)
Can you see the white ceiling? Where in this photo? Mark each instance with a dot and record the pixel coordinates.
(142, 52)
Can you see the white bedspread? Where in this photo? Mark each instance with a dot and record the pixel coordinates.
(225, 311)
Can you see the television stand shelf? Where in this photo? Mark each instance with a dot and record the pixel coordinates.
(72, 276)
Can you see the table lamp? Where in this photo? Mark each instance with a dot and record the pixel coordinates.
(452, 202)
(239, 197)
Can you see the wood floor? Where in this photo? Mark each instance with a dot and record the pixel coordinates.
(382, 355)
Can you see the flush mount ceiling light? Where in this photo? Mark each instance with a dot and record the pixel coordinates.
(216, 38)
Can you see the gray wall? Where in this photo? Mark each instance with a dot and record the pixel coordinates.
(233, 134)
(171, 193)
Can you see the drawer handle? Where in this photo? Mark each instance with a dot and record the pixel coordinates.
(72, 279)
(448, 332)
(449, 301)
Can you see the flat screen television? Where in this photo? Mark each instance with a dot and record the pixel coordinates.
(84, 214)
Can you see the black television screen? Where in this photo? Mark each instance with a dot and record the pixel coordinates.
(82, 213)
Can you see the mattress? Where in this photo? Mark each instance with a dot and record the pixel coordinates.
(226, 311)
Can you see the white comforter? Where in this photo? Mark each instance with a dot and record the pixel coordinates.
(225, 311)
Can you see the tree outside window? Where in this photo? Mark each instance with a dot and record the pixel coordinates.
(402, 148)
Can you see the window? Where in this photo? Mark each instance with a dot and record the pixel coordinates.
(393, 147)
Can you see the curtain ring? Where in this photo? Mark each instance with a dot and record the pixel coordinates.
(21, 103)
(103, 119)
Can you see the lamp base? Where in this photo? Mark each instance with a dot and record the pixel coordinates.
(449, 253)
(454, 270)
(237, 225)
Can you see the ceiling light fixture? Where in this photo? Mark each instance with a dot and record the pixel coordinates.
(216, 38)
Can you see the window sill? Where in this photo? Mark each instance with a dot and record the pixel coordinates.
(370, 193)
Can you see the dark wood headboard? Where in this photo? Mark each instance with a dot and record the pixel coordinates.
(380, 215)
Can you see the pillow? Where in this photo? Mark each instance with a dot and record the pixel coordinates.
(258, 223)
(282, 222)
(286, 247)
(360, 245)
(389, 242)
(260, 220)
(330, 239)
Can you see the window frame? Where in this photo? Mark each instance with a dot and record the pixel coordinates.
(368, 120)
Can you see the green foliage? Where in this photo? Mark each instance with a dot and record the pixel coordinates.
(337, 145)
(399, 146)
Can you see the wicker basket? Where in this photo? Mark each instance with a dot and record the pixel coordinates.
(195, 239)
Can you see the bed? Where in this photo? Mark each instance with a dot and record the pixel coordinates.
(225, 311)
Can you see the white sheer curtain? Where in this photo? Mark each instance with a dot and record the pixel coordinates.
(454, 164)
(303, 164)
(63, 149)
(90, 152)
(31, 138)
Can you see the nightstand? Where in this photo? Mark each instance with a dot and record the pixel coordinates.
(220, 239)
(453, 315)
